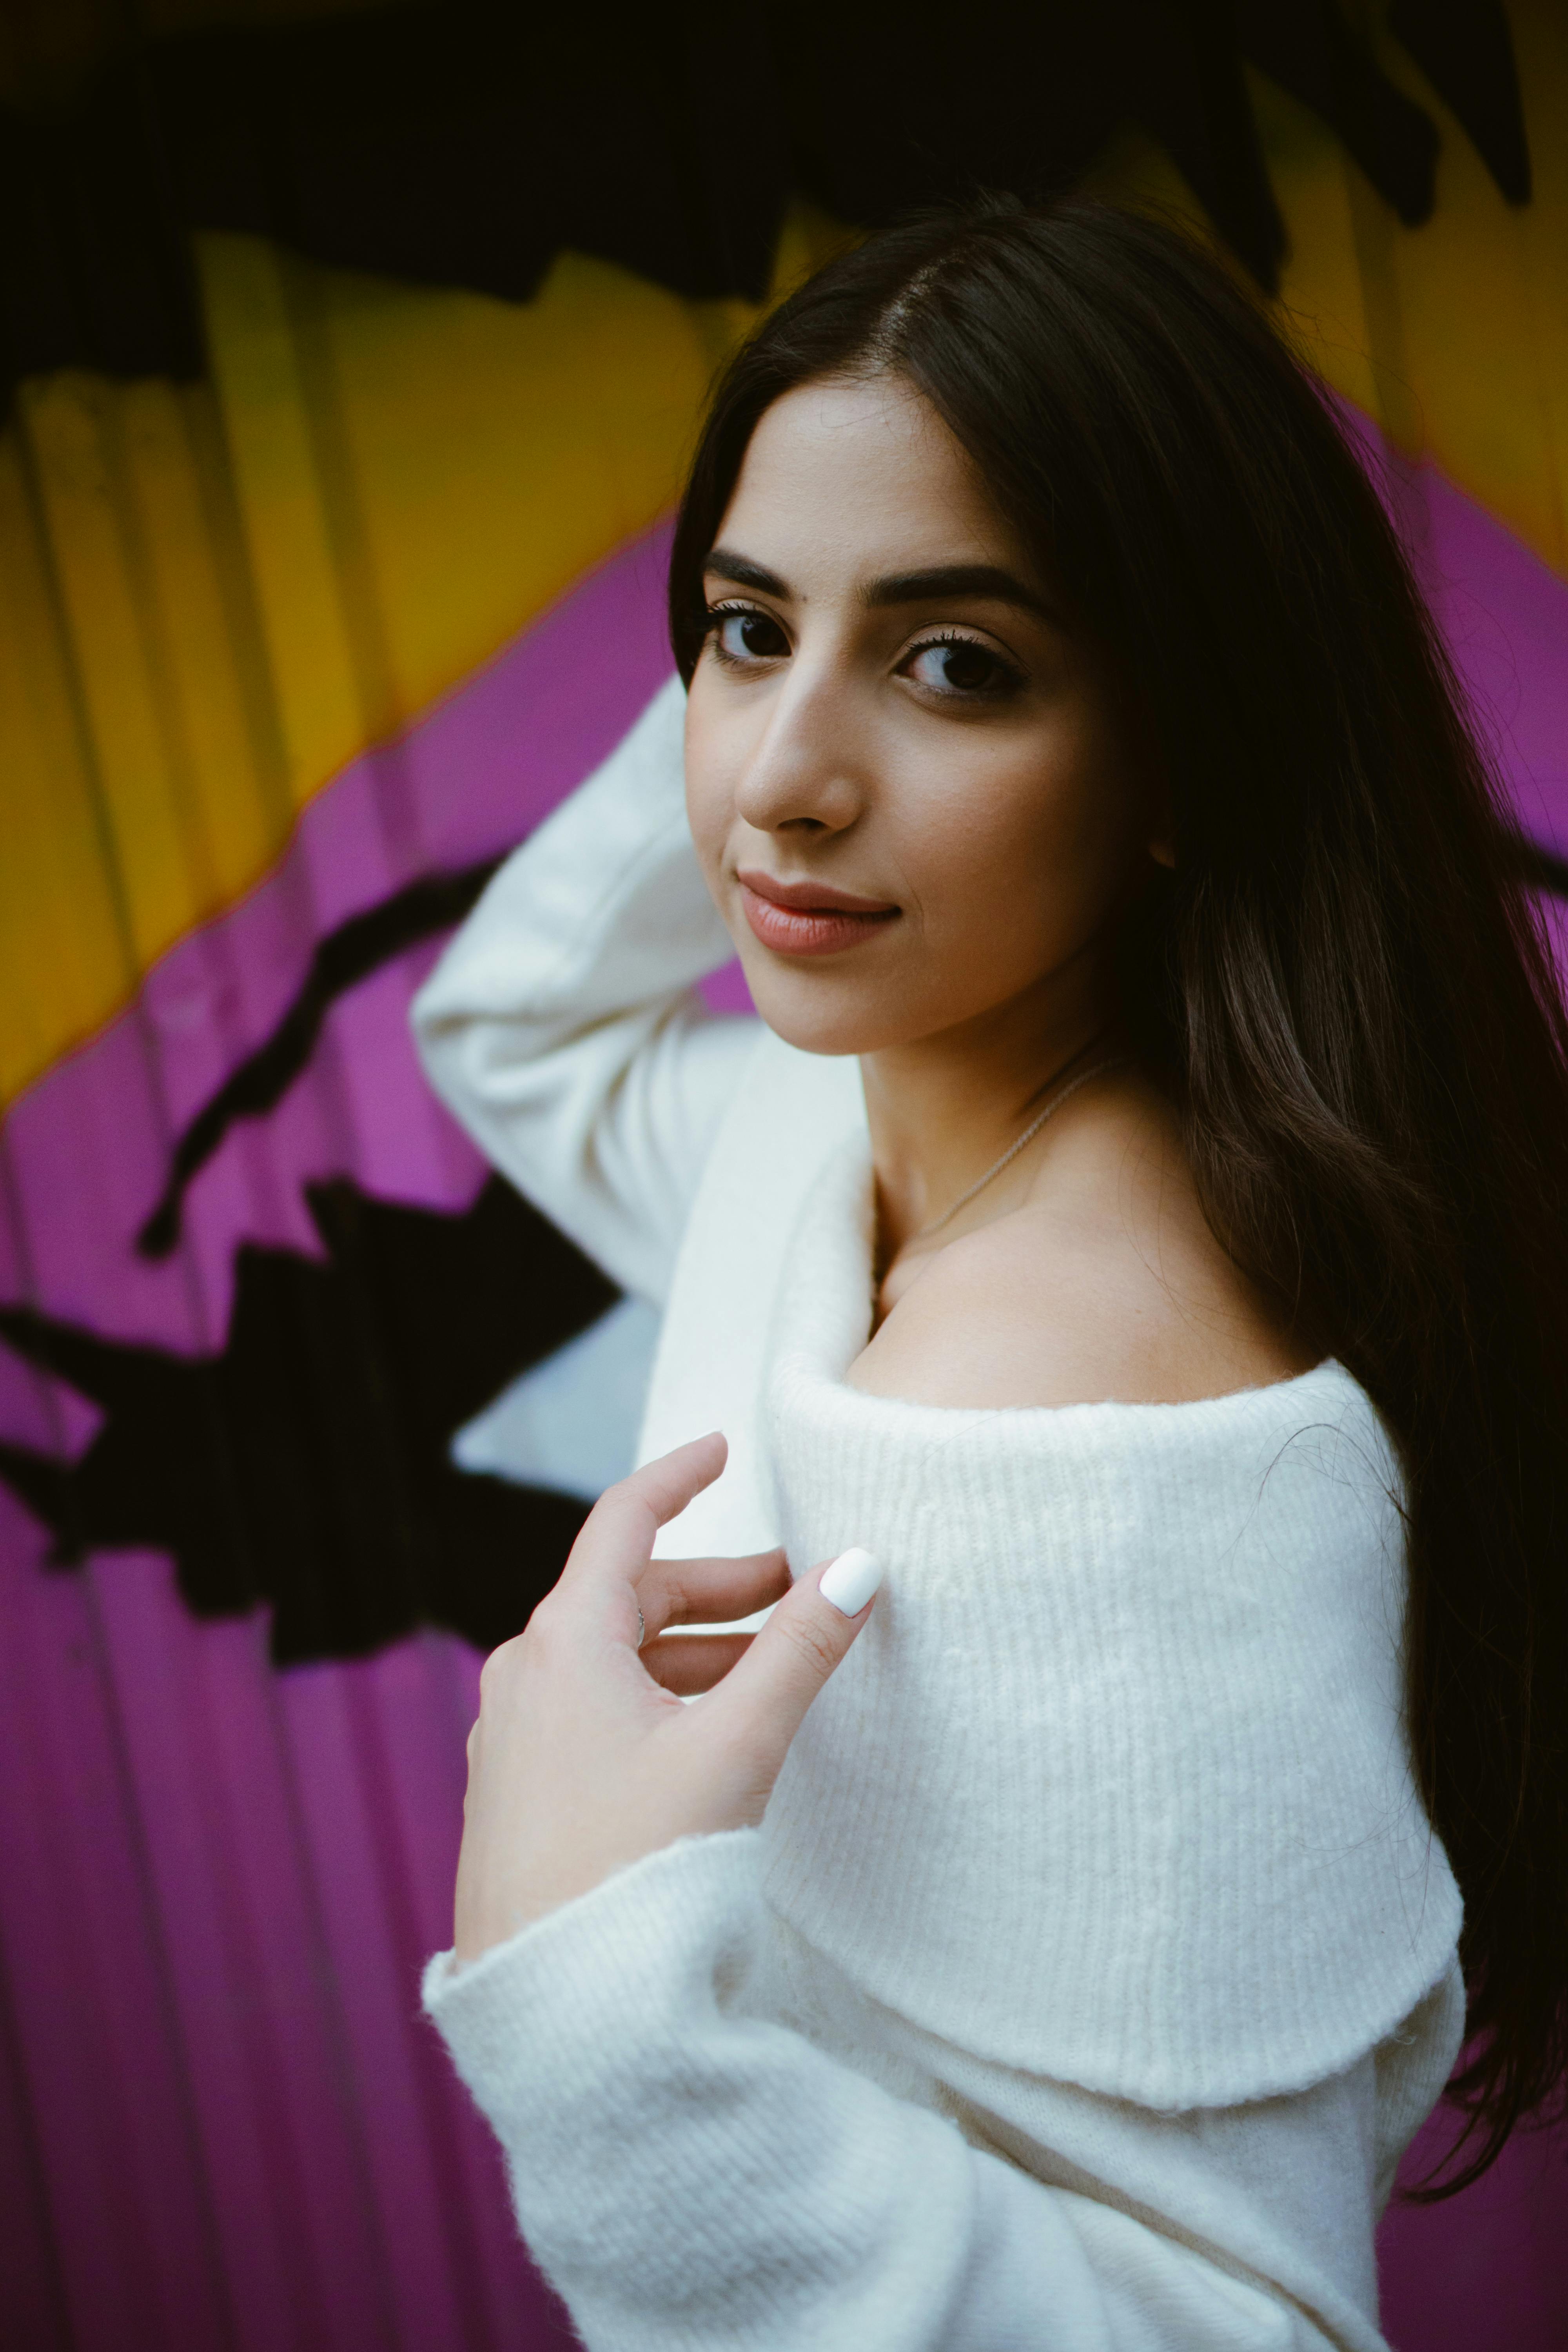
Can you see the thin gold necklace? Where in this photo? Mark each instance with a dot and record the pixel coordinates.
(1055, 1104)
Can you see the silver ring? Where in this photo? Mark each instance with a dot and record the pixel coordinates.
(642, 1627)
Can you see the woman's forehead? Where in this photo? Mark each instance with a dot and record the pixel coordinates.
(856, 481)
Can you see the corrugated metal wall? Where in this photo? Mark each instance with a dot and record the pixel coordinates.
(356, 609)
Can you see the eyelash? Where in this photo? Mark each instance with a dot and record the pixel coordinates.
(718, 614)
(1009, 681)
(1009, 678)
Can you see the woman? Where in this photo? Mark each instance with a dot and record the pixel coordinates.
(1135, 1234)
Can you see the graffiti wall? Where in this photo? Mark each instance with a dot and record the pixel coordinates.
(355, 355)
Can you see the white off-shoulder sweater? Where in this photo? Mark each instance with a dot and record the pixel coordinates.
(1095, 1961)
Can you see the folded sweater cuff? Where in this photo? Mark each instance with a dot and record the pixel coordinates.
(557, 2012)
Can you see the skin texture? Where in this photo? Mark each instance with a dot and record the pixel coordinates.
(959, 762)
(583, 1758)
(968, 759)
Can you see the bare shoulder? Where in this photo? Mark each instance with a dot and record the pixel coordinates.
(1104, 1285)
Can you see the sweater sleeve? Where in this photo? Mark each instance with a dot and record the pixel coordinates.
(690, 2174)
(563, 1027)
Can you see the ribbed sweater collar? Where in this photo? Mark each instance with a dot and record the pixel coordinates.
(1114, 1788)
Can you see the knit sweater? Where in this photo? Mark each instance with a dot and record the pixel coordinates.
(1095, 1961)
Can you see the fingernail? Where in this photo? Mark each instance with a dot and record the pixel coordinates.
(851, 1580)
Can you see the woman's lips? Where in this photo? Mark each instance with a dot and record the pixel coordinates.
(807, 918)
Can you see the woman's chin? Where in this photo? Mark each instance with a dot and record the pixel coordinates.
(819, 1015)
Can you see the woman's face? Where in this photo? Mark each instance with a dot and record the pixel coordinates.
(912, 786)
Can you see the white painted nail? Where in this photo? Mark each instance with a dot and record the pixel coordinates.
(851, 1580)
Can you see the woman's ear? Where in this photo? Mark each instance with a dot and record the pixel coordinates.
(1162, 849)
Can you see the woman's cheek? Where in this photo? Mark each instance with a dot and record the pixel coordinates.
(709, 811)
(989, 872)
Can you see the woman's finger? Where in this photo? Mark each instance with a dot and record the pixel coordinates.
(691, 1663)
(763, 1702)
(615, 1540)
(710, 1592)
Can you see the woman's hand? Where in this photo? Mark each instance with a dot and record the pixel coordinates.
(583, 1758)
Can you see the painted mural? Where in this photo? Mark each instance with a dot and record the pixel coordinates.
(350, 402)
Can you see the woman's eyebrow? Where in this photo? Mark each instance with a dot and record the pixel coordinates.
(726, 563)
(987, 580)
(937, 580)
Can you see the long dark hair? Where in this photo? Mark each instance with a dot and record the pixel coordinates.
(1343, 983)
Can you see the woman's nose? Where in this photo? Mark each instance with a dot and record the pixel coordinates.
(807, 767)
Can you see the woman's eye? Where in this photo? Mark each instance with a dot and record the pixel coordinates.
(749, 637)
(958, 665)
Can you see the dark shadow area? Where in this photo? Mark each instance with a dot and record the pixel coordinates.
(468, 144)
(306, 1466)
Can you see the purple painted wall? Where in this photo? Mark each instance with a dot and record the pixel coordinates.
(221, 2123)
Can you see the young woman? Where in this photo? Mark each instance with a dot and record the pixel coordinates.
(1137, 1235)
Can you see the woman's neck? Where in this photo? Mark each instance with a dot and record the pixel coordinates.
(941, 1110)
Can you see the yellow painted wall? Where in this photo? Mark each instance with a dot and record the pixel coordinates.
(213, 596)
(1454, 335)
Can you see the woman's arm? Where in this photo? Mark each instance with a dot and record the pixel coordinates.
(689, 2173)
(563, 1027)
